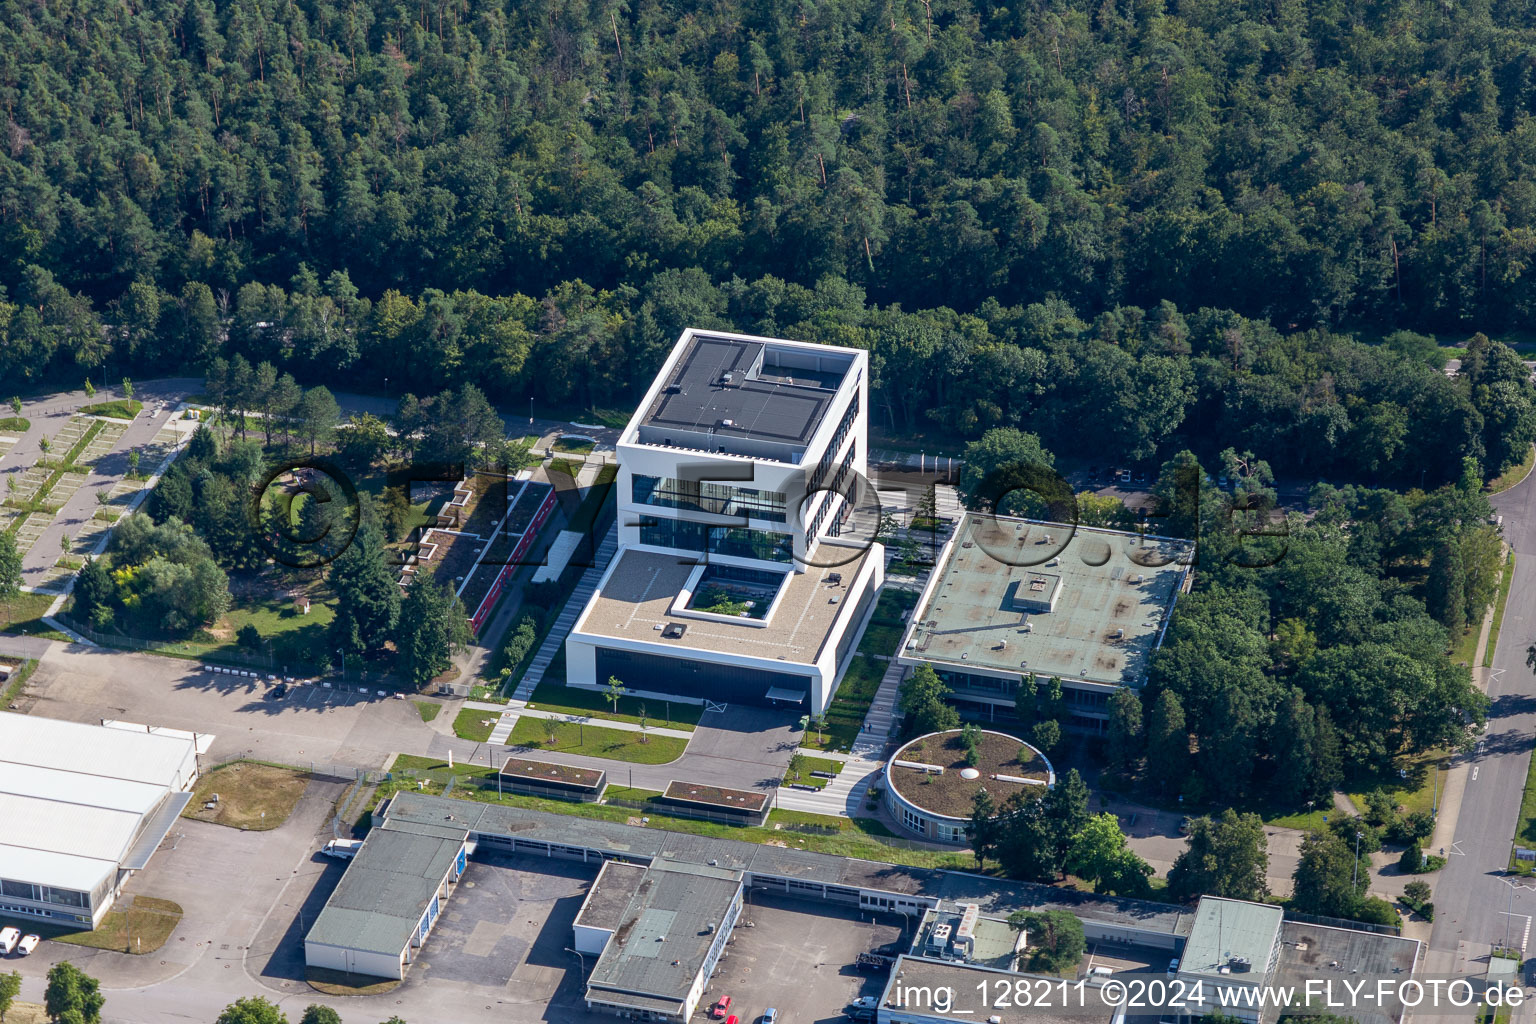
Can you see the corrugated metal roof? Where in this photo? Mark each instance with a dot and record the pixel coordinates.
(67, 787)
(659, 946)
(61, 870)
(994, 895)
(387, 886)
(92, 749)
(97, 832)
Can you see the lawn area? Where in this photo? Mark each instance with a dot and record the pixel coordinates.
(427, 709)
(1305, 821)
(252, 796)
(293, 638)
(880, 639)
(473, 724)
(1525, 825)
(1498, 609)
(596, 741)
(122, 408)
(15, 425)
(843, 837)
(845, 716)
(1464, 647)
(569, 445)
(24, 612)
(147, 920)
(814, 764)
(574, 700)
(17, 683)
(1513, 475)
(1417, 792)
(627, 793)
(340, 983)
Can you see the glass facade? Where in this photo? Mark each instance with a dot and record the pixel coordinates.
(44, 894)
(716, 498)
(737, 541)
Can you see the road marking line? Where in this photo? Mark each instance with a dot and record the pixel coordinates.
(1474, 773)
(1526, 936)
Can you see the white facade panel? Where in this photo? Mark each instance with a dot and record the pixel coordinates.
(335, 958)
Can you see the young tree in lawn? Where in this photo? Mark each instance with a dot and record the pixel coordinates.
(982, 830)
(615, 690)
(252, 1010)
(432, 626)
(819, 723)
(367, 596)
(10, 569)
(318, 415)
(1055, 939)
(1327, 879)
(10, 988)
(72, 995)
(133, 464)
(1167, 744)
(127, 388)
(1228, 857)
(1100, 855)
(1046, 735)
(796, 764)
(922, 701)
(1125, 730)
(90, 389)
(16, 404)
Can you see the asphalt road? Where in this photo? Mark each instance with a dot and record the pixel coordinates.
(1476, 907)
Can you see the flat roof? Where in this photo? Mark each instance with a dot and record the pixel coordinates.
(78, 799)
(634, 601)
(715, 796)
(912, 975)
(1227, 930)
(776, 393)
(379, 901)
(1111, 600)
(664, 935)
(995, 942)
(553, 774)
(994, 895)
(609, 895)
(1322, 951)
(94, 750)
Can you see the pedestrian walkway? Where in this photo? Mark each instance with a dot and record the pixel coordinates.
(880, 722)
(585, 587)
(842, 797)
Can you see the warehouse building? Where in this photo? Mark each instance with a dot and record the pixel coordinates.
(84, 807)
(1012, 598)
(391, 896)
(658, 932)
(739, 576)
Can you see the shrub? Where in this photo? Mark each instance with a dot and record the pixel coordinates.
(249, 637)
(1375, 910)
(1412, 860)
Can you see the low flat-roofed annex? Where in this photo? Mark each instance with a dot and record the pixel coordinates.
(637, 596)
(1110, 594)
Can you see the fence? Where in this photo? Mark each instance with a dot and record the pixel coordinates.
(188, 651)
(1341, 922)
(343, 772)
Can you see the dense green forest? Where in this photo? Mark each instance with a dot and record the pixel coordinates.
(1154, 211)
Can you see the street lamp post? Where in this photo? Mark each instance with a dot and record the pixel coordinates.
(1358, 834)
(583, 960)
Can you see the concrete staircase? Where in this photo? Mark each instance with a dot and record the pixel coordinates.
(585, 587)
(881, 719)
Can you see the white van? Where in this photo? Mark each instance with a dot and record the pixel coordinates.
(8, 939)
(1100, 971)
(342, 849)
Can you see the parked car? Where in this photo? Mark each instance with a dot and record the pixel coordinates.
(28, 944)
(721, 1008)
(342, 849)
(770, 1016)
(8, 939)
(732, 1019)
(278, 692)
(1173, 967)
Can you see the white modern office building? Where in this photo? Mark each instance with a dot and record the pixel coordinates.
(82, 807)
(745, 568)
